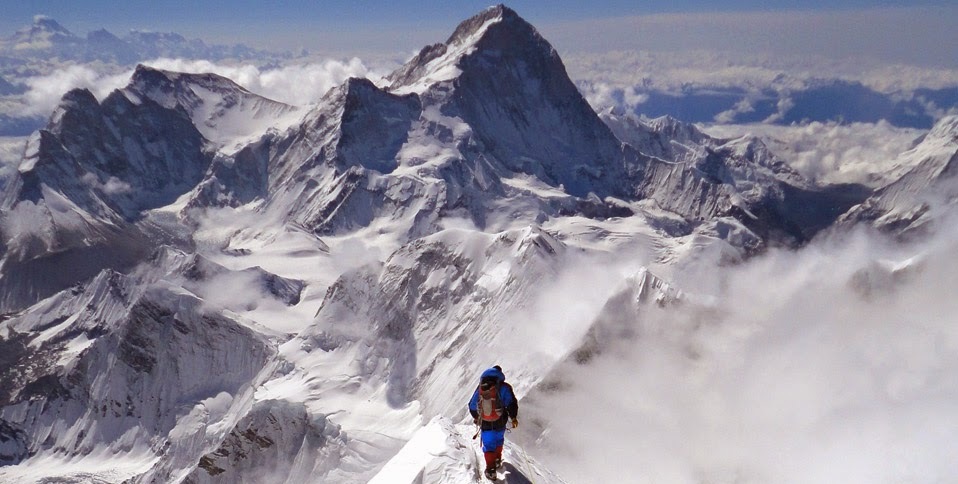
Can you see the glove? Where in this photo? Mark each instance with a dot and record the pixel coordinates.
(515, 423)
(475, 421)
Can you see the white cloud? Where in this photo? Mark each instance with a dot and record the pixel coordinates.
(112, 186)
(796, 374)
(610, 78)
(44, 92)
(298, 84)
(11, 151)
(831, 152)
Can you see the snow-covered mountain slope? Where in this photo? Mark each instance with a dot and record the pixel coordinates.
(118, 157)
(490, 115)
(87, 179)
(445, 299)
(83, 183)
(222, 111)
(140, 367)
(700, 178)
(509, 85)
(277, 441)
(127, 367)
(912, 202)
(336, 278)
(443, 453)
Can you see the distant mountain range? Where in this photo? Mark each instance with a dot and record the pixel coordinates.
(47, 39)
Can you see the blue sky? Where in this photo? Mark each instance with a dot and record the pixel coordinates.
(891, 29)
(84, 15)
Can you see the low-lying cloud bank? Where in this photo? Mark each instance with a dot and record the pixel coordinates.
(834, 363)
(709, 86)
(831, 152)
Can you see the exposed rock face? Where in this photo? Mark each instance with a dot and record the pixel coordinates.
(85, 180)
(703, 178)
(277, 441)
(13, 448)
(115, 362)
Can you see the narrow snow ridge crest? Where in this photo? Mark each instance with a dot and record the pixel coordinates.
(946, 129)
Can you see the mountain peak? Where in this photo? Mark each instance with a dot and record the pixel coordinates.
(145, 73)
(152, 82)
(475, 24)
(496, 28)
(48, 24)
(44, 33)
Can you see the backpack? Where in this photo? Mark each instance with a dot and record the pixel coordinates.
(490, 405)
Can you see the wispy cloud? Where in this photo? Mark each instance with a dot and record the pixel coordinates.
(11, 151)
(44, 91)
(828, 364)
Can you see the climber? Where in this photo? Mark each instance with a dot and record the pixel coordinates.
(492, 405)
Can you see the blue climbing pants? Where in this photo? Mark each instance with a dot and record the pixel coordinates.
(493, 439)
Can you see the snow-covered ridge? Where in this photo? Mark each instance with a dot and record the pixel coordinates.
(224, 112)
(911, 203)
(440, 62)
